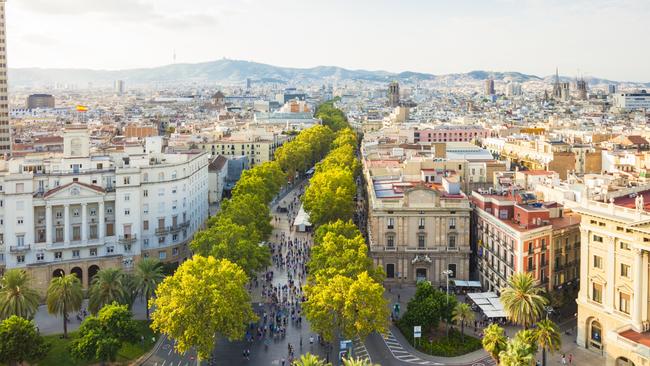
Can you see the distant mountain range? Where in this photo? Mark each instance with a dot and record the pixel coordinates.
(236, 71)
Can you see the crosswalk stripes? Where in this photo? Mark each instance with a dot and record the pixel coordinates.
(359, 350)
(402, 354)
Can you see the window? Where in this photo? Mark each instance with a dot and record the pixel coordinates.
(93, 212)
(145, 208)
(145, 225)
(20, 240)
(452, 223)
(110, 249)
(145, 242)
(75, 254)
(20, 187)
(421, 241)
(20, 258)
(531, 266)
(452, 268)
(59, 214)
(625, 246)
(624, 303)
(174, 189)
(75, 212)
(40, 256)
(127, 197)
(175, 252)
(109, 210)
(161, 240)
(174, 204)
(390, 241)
(391, 223)
(19, 220)
(127, 212)
(530, 247)
(127, 248)
(174, 174)
(452, 241)
(161, 191)
(161, 176)
(145, 193)
(598, 239)
(390, 270)
(145, 177)
(625, 270)
(162, 254)
(93, 252)
(597, 293)
(175, 237)
(598, 262)
(421, 223)
(127, 180)
(58, 255)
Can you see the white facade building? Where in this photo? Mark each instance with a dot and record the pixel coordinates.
(79, 212)
(630, 101)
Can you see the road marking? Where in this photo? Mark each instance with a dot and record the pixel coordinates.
(360, 351)
(397, 350)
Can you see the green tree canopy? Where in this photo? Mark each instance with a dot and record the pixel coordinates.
(353, 307)
(337, 254)
(102, 336)
(294, 157)
(20, 341)
(344, 137)
(17, 297)
(248, 209)
(522, 300)
(237, 243)
(463, 314)
(64, 296)
(519, 351)
(331, 116)
(428, 307)
(107, 287)
(341, 158)
(205, 298)
(547, 336)
(494, 341)
(330, 196)
(339, 227)
(148, 274)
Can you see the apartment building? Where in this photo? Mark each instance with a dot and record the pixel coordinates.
(81, 211)
(516, 234)
(258, 146)
(613, 303)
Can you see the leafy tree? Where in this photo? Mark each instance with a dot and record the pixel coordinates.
(20, 341)
(308, 359)
(494, 341)
(248, 209)
(357, 362)
(204, 298)
(318, 138)
(330, 196)
(237, 243)
(522, 300)
(353, 307)
(293, 157)
(107, 286)
(339, 227)
(331, 116)
(341, 158)
(265, 180)
(254, 185)
(64, 296)
(345, 137)
(129, 289)
(519, 351)
(337, 254)
(547, 336)
(102, 336)
(462, 314)
(148, 274)
(17, 297)
(428, 307)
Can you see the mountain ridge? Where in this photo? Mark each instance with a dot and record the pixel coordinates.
(237, 71)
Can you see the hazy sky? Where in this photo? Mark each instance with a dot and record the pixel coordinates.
(605, 38)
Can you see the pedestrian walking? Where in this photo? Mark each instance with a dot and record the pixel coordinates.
(563, 359)
(570, 358)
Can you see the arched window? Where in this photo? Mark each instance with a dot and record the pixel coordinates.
(596, 335)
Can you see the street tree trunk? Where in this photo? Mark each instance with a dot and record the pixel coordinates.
(544, 356)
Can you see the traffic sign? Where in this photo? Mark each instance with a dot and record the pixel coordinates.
(417, 331)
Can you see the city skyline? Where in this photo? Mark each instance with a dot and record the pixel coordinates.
(533, 39)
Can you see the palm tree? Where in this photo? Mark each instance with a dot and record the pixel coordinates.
(16, 295)
(522, 301)
(308, 360)
(130, 289)
(148, 274)
(494, 341)
(357, 362)
(64, 296)
(106, 287)
(520, 350)
(547, 335)
(462, 314)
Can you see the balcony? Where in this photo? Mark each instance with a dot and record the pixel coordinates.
(19, 248)
(162, 231)
(178, 227)
(390, 248)
(127, 239)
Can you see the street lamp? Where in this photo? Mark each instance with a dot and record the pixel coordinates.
(549, 311)
(447, 273)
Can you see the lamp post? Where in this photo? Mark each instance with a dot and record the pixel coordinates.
(549, 310)
(447, 273)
